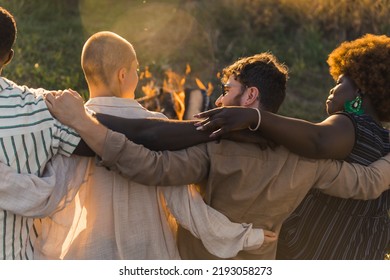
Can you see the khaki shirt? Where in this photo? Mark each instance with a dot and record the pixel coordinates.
(243, 182)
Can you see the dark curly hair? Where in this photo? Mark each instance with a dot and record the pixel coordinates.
(7, 32)
(264, 72)
(367, 62)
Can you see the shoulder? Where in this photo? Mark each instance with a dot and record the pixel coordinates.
(340, 118)
(157, 115)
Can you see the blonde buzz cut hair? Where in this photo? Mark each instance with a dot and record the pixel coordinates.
(103, 54)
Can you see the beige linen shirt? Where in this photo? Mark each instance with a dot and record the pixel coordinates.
(244, 182)
(112, 217)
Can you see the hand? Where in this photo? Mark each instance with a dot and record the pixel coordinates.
(222, 120)
(67, 106)
(269, 237)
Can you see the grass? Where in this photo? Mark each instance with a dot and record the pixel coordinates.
(208, 35)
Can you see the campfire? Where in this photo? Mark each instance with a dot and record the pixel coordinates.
(171, 96)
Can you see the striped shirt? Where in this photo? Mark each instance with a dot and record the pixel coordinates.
(29, 137)
(326, 227)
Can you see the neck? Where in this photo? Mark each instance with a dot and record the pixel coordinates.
(106, 92)
(100, 91)
(255, 104)
(369, 109)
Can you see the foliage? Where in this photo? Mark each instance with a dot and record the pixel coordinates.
(208, 35)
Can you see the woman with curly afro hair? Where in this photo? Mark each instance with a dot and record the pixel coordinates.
(326, 227)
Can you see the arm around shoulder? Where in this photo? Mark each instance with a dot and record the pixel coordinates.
(356, 181)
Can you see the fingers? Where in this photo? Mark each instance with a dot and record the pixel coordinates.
(208, 113)
(217, 133)
(269, 236)
(217, 127)
(75, 93)
(269, 233)
(200, 124)
(49, 100)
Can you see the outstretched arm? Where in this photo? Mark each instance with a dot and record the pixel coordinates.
(156, 134)
(332, 138)
(358, 181)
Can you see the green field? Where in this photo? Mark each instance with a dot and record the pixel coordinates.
(207, 35)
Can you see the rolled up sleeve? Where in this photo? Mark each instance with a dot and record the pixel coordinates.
(164, 168)
(356, 181)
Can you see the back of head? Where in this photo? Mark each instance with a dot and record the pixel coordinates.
(264, 72)
(103, 55)
(367, 62)
(7, 33)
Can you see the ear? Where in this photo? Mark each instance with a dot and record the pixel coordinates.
(253, 96)
(9, 58)
(122, 74)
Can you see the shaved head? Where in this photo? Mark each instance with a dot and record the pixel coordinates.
(103, 55)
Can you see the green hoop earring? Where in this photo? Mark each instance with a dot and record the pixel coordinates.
(354, 106)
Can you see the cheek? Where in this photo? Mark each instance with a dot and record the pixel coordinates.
(334, 106)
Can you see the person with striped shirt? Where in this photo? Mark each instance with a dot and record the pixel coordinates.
(29, 137)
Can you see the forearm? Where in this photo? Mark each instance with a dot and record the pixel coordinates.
(155, 168)
(357, 181)
(92, 132)
(32, 196)
(24, 194)
(220, 236)
(156, 134)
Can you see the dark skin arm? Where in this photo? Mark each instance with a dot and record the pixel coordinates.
(156, 134)
(162, 134)
(83, 150)
(332, 138)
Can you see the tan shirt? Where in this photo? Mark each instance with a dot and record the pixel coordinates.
(244, 182)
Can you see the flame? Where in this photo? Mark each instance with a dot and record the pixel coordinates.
(200, 84)
(174, 84)
(210, 89)
(148, 74)
(188, 69)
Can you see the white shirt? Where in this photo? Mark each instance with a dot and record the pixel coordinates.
(29, 138)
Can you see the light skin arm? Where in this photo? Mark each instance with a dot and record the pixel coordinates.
(332, 138)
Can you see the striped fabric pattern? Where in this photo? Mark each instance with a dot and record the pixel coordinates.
(29, 137)
(326, 227)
